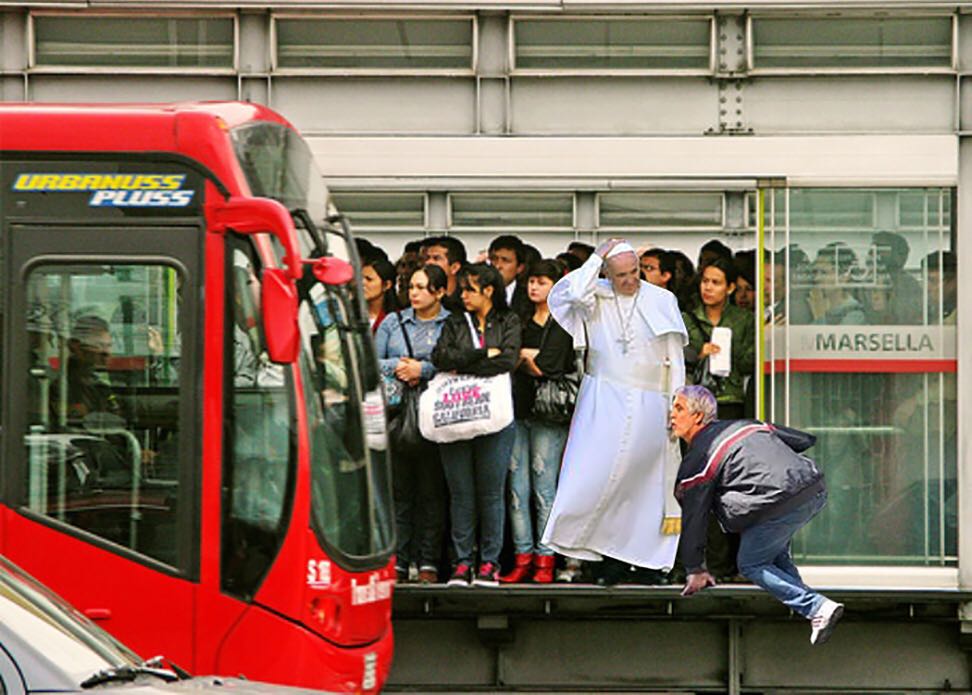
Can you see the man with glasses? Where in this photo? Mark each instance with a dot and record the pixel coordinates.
(657, 267)
(88, 391)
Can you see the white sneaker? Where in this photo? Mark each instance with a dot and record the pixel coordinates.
(570, 572)
(825, 621)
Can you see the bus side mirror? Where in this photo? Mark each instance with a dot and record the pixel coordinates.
(332, 271)
(259, 215)
(279, 299)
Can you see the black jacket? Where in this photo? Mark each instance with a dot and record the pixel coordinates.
(456, 352)
(557, 356)
(746, 471)
(555, 359)
(453, 302)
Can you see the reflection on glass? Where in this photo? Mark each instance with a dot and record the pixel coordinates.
(375, 43)
(848, 42)
(103, 402)
(132, 41)
(259, 467)
(860, 328)
(350, 492)
(600, 43)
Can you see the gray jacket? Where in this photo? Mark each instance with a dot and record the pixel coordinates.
(746, 471)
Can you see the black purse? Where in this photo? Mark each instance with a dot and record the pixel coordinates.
(403, 426)
(556, 398)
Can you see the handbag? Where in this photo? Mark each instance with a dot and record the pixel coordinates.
(403, 424)
(403, 429)
(459, 407)
(555, 398)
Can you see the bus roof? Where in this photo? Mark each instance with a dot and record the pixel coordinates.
(198, 130)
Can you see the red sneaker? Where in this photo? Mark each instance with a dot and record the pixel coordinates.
(487, 576)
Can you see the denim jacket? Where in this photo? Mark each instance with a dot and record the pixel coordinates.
(423, 335)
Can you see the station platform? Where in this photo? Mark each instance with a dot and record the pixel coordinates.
(733, 638)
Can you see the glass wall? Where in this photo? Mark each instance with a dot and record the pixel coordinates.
(380, 43)
(861, 350)
(612, 43)
(662, 209)
(383, 211)
(845, 43)
(133, 41)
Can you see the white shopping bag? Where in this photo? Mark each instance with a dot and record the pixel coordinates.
(457, 407)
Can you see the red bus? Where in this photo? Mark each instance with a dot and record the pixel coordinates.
(194, 448)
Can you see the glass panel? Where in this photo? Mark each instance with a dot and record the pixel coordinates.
(847, 42)
(511, 210)
(103, 402)
(278, 164)
(259, 464)
(350, 468)
(829, 210)
(866, 316)
(382, 210)
(374, 43)
(184, 42)
(350, 496)
(660, 210)
(924, 209)
(628, 43)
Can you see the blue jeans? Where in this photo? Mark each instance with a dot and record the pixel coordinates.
(475, 471)
(534, 467)
(764, 557)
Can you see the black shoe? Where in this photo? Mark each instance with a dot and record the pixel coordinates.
(645, 576)
(461, 575)
(610, 572)
(488, 575)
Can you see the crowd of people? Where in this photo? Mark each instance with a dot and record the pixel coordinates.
(501, 498)
(433, 310)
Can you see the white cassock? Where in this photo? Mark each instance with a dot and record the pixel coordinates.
(615, 495)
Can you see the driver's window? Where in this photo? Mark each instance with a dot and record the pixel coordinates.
(260, 458)
(103, 401)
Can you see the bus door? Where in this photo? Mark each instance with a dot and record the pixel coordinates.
(101, 471)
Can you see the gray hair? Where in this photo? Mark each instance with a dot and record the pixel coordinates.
(699, 399)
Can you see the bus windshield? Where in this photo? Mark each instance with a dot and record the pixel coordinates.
(350, 477)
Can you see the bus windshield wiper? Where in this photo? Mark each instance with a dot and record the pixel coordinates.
(338, 224)
(128, 673)
(320, 241)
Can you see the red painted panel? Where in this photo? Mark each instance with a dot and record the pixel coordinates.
(864, 366)
(301, 658)
(152, 612)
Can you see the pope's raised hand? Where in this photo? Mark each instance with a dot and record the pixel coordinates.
(604, 249)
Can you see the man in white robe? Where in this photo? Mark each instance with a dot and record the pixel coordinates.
(615, 496)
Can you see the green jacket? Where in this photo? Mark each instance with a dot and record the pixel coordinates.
(743, 326)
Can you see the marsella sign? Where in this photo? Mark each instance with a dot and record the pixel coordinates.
(862, 343)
